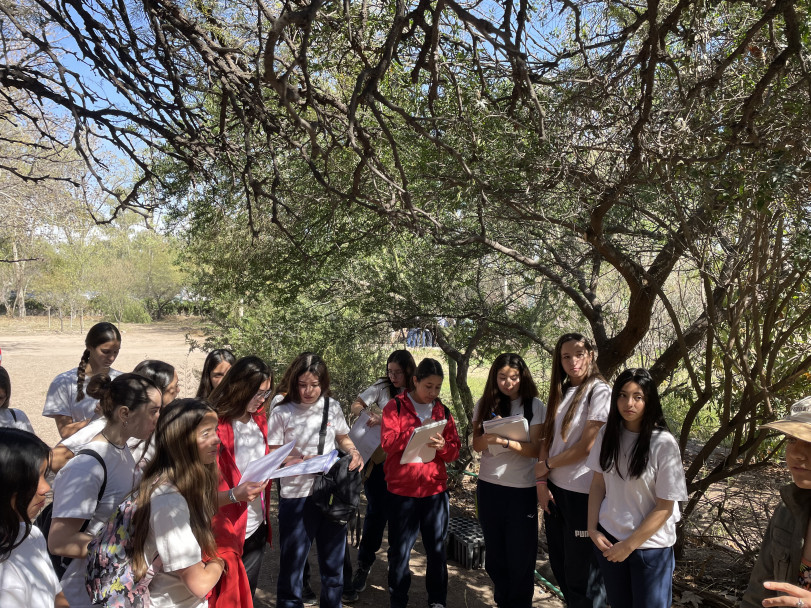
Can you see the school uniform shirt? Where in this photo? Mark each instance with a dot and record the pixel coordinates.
(593, 405)
(171, 539)
(510, 468)
(15, 419)
(27, 578)
(61, 398)
(629, 500)
(377, 394)
(142, 450)
(76, 491)
(249, 445)
(289, 421)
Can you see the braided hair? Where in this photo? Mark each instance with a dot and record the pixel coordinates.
(99, 334)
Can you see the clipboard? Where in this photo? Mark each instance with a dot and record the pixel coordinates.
(511, 427)
(417, 450)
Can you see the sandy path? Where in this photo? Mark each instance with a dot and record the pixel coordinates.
(33, 356)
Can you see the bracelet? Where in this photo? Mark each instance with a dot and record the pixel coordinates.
(231, 496)
(540, 482)
(546, 464)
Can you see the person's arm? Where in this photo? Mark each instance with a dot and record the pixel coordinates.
(577, 452)
(60, 456)
(541, 481)
(201, 577)
(654, 520)
(596, 496)
(392, 437)
(67, 426)
(448, 448)
(245, 492)
(67, 539)
(60, 601)
(346, 445)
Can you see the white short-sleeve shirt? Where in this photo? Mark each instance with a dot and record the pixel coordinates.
(61, 398)
(27, 578)
(15, 419)
(510, 468)
(629, 500)
(172, 540)
(76, 492)
(377, 394)
(249, 445)
(593, 405)
(290, 421)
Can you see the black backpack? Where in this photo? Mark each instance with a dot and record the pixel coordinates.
(43, 520)
(336, 492)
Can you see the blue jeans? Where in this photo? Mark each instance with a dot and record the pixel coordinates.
(301, 523)
(377, 513)
(509, 520)
(643, 580)
(571, 551)
(429, 517)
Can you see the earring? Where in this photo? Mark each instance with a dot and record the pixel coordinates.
(125, 423)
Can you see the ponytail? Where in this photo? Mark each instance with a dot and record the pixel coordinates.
(80, 375)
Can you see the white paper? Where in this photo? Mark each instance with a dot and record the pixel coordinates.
(317, 464)
(262, 468)
(511, 427)
(365, 438)
(417, 449)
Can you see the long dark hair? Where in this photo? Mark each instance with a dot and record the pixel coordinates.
(213, 359)
(559, 383)
(231, 397)
(309, 362)
(21, 458)
(5, 384)
(99, 334)
(652, 418)
(496, 402)
(406, 362)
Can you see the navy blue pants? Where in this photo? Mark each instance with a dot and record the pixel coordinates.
(374, 522)
(571, 551)
(509, 520)
(429, 517)
(643, 580)
(301, 523)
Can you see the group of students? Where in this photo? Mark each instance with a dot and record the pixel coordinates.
(599, 461)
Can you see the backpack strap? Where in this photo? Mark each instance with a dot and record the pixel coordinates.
(13, 413)
(322, 434)
(528, 409)
(103, 487)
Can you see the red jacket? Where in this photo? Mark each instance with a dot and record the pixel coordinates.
(237, 513)
(233, 589)
(418, 479)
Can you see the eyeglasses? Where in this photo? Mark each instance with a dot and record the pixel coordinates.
(394, 372)
(262, 395)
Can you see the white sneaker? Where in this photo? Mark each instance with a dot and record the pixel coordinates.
(436, 605)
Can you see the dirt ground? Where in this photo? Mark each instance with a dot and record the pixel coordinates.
(34, 355)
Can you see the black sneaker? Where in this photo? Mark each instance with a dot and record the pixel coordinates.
(359, 579)
(349, 596)
(308, 596)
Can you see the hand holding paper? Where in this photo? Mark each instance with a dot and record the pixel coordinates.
(423, 444)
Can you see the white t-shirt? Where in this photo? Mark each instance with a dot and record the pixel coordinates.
(61, 398)
(577, 477)
(289, 421)
(377, 394)
(249, 445)
(628, 501)
(27, 578)
(76, 491)
(7, 420)
(510, 468)
(172, 540)
(141, 451)
(423, 409)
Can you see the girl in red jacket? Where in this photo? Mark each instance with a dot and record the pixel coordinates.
(242, 428)
(419, 498)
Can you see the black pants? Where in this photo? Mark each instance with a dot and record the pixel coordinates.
(571, 551)
(509, 520)
(252, 553)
